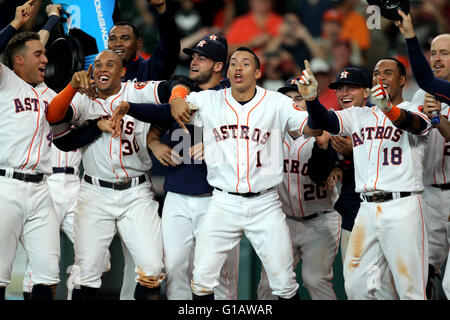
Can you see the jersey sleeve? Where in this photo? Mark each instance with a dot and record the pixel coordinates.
(140, 92)
(80, 107)
(348, 120)
(5, 76)
(292, 117)
(415, 108)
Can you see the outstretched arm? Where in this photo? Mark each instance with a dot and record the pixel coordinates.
(23, 14)
(161, 65)
(422, 72)
(59, 105)
(402, 119)
(53, 12)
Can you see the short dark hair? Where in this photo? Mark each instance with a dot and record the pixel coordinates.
(136, 31)
(401, 67)
(255, 57)
(17, 44)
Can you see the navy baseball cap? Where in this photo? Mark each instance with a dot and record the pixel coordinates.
(388, 8)
(351, 75)
(212, 46)
(290, 85)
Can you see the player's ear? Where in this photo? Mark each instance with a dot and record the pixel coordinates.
(258, 74)
(402, 81)
(122, 72)
(19, 59)
(218, 67)
(366, 93)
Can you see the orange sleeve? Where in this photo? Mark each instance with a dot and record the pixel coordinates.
(59, 105)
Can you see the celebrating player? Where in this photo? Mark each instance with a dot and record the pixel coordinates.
(27, 208)
(116, 190)
(388, 148)
(314, 225)
(185, 203)
(243, 128)
(437, 166)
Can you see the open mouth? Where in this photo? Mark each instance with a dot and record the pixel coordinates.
(238, 78)
(42, 71)
(438, 67)
(120, 52)
(103, 79)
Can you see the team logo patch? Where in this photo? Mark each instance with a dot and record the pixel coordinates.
(140, 85)
(344, 74)
(201, 43)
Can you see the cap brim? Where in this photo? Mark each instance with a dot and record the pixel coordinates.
(283, 90)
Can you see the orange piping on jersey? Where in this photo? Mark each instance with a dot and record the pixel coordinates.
(120, 158)
(120, 150)
(44, 91)
(110, 155)
(423, 258)
(378, 158)
(341, 123)
(37, 128)
(302, 126)
(298, 177)
(248, 151)
(237, 140)
(289, 178)
(371, 143)
(155, 92)
(39, 150)
(101, 104)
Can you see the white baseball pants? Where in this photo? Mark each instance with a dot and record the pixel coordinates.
(316, 243)
(388, 236)
(263, 222)
(27, 215)
(134, 212)
(181, 220)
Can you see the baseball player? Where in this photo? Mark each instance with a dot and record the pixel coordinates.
(116, 189)
(25, 162)
(388, 150)
(436, 173)
(314, 226)
(350, 87)
(243, 128)
(188, 192)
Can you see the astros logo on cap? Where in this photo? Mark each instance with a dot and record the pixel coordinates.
(344, 74)
(213, 37)
(201, 43)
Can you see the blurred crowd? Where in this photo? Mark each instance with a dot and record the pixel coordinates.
(330, 33)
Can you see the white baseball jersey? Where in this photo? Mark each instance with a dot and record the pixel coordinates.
(118, 158)
(299, 195)
(437, 151)
(243, 143)
(389, 159)
(66, 159)
(26, 137)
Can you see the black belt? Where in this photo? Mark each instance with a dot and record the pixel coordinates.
(311, 216)
(247, 194)
(384, 196)
(27, 177)
(67, 170)
(114, 185)
(442, 186)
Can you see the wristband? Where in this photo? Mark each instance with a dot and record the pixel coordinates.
(179, 92)
(394, 113)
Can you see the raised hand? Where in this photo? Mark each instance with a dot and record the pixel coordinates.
(431, 106)
(105, 125)
(82, 79)
(323, 140)
(53, 9)
(307, 83)
(406, 27)
(23, 14)
(380, 97)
